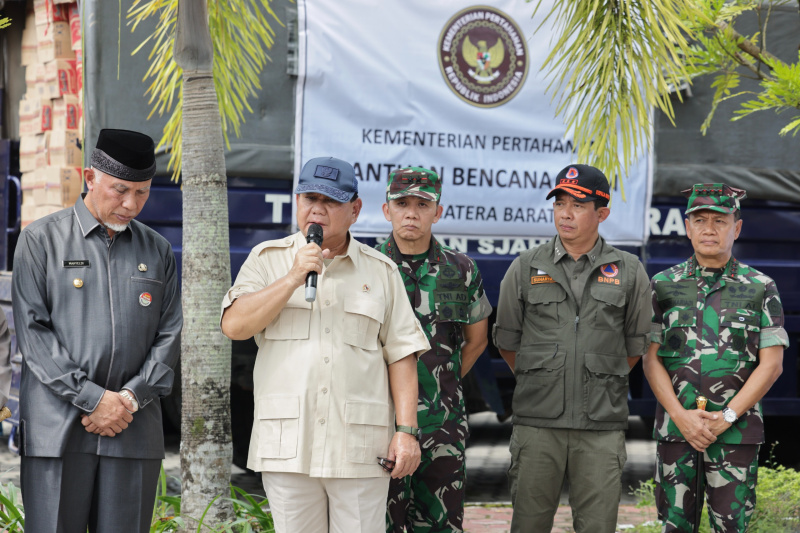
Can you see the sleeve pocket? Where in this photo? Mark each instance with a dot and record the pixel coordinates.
(278, 427)
(367, 430)
(362, 321)
(607, 387)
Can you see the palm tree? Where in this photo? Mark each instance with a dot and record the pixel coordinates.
(216, 53)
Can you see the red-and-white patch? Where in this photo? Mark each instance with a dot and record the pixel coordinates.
(145, 299)
(610, 270)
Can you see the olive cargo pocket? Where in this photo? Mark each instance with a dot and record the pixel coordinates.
(367, 431)
(278, 419)
(293, 322)
(540, 381)
(606, 385)
(610, 313)
(362, 321)
(548, 300)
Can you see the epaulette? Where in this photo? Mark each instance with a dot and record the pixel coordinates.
(275, 243)
(368, 250)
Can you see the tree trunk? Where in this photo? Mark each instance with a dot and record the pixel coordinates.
(206, 451)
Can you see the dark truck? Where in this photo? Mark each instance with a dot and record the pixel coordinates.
(747, 154)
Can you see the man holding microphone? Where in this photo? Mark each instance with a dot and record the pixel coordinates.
(330, 372)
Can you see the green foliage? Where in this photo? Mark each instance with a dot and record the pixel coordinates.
(777, 510)
(614, 60)
(12, 516)
(251, 514)
(718, 49)
(240, 30)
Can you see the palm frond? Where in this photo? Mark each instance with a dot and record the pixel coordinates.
(241, 31)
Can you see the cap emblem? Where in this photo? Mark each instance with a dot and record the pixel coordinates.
(328, 173)
(572, 173)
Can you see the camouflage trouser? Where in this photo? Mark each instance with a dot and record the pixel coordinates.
(432, 499)
(730, 475)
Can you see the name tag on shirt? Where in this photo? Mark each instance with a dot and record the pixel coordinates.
(76, 263)
(541, 279)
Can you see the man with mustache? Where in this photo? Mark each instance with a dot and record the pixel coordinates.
(572, 320)
(331, 373)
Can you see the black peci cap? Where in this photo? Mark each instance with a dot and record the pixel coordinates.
(125, 154)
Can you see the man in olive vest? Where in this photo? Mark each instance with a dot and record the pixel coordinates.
(717, 332)
(572, 320)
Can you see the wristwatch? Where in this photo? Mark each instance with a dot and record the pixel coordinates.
(729, 415)
(414, 432)
(125, 393)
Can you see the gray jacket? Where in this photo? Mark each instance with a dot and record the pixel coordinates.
(91, 317)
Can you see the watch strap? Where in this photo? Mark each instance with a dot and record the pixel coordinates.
(410, 430)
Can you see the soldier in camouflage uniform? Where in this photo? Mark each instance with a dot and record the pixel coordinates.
(446, 291)
(717, 332)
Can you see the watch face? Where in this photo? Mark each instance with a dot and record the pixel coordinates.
(729, 416)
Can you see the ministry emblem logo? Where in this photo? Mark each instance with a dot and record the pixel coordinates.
(483, 56)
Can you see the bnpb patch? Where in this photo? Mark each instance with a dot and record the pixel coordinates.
(572, 173)
(610, 270)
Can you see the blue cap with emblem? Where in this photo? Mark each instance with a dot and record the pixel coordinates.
(329, 176)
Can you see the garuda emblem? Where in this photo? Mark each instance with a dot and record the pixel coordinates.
(483, 59)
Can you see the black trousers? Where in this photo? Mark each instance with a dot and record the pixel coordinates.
(106, 494)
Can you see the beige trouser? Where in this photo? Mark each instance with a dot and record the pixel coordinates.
(303, 504)
(541, 459)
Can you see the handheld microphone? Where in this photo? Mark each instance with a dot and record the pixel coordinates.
(314, 235)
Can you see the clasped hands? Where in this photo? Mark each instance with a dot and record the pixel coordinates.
(112, 415)
(700, 428)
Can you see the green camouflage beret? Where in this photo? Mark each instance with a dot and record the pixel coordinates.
(714, 196)
(414, 181)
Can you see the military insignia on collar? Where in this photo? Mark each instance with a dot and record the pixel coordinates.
(610, 270)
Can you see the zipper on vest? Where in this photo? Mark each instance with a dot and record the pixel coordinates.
(577, 318)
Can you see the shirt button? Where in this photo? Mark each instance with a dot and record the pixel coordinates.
(327, 330)
(326, 359)
(324, 390)
(327, 302)
(321, 420)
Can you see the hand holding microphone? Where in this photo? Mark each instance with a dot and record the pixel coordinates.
(314, 235)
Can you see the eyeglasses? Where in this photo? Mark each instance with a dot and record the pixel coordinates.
(386, 464)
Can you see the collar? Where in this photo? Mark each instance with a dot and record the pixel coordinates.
(731, 270)
(559, 252)
(86, 219)
(435, 254)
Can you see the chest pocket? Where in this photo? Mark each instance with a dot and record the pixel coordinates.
(362, 321)
(548, 300)
(739, 334)
(294, 320)
(610, 314)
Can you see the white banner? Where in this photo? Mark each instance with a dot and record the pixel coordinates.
(449, 87)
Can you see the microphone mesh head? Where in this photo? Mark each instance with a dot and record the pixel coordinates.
(314, 233)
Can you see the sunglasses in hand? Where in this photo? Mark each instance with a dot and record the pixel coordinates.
(386, 464)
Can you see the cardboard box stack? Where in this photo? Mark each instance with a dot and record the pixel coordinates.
(50, 113)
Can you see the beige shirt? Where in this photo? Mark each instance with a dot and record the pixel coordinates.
(322, 401)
